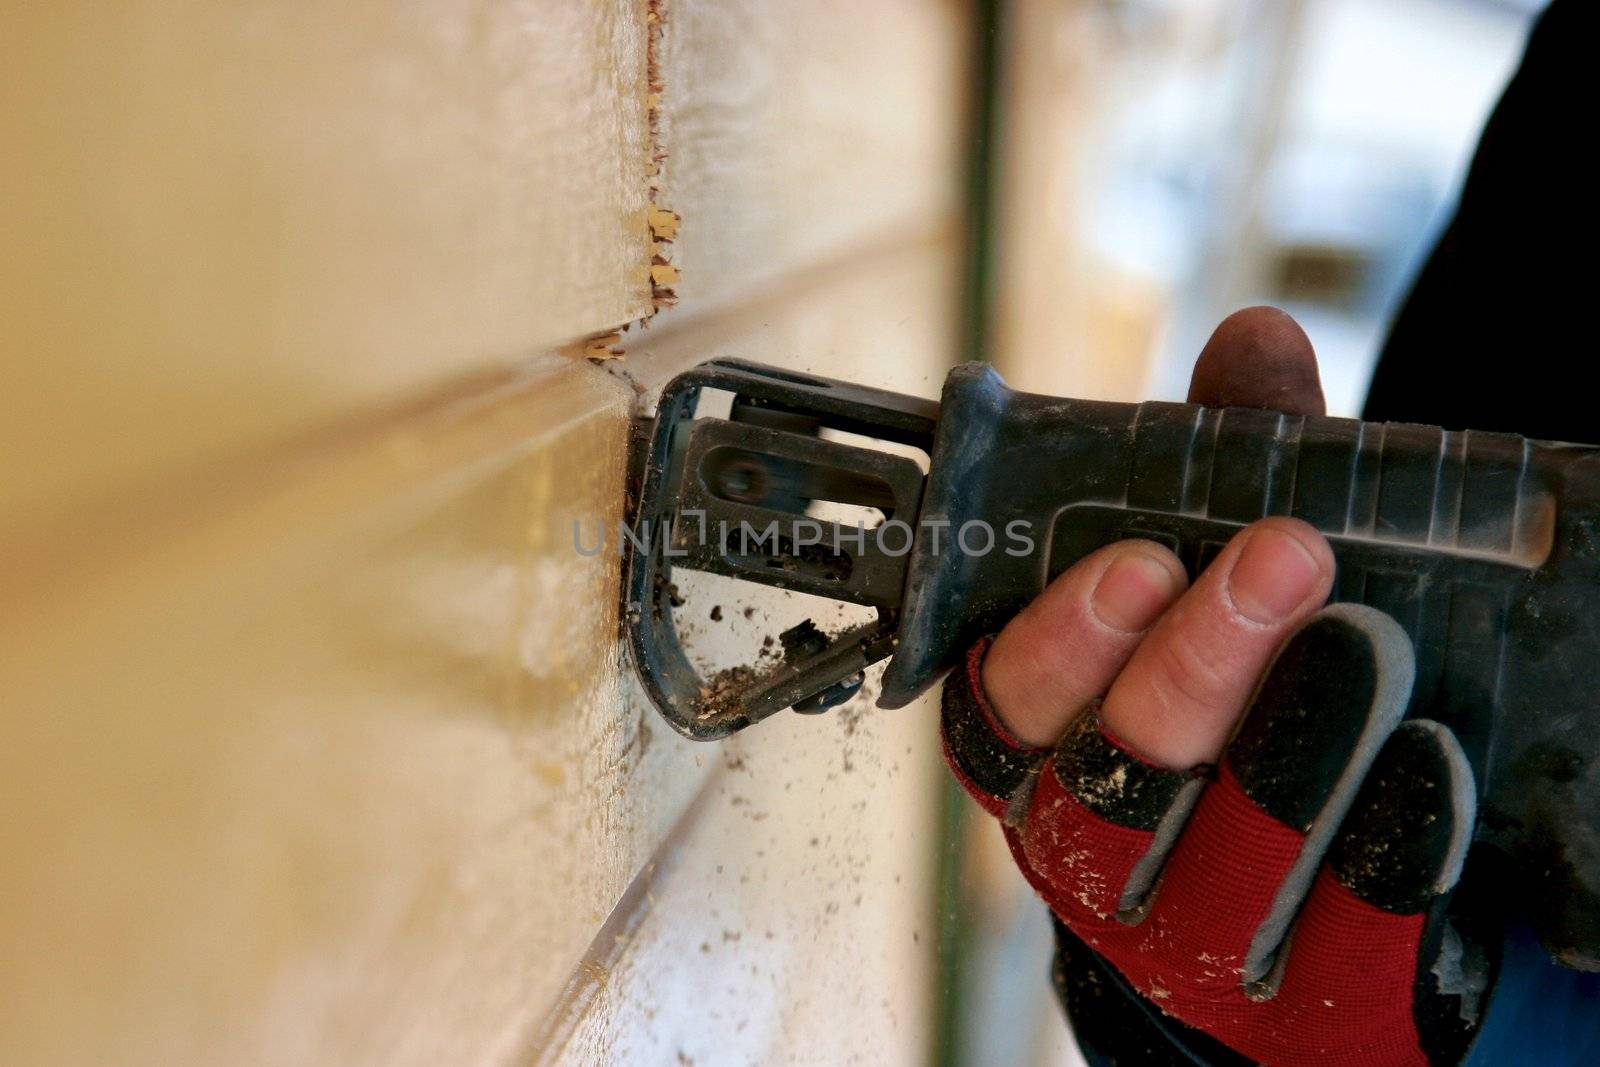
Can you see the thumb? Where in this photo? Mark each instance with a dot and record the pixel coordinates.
(1258, 358)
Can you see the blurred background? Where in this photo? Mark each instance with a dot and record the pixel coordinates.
(1157, 164)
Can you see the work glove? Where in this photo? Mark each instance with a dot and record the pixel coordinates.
(1289, 906)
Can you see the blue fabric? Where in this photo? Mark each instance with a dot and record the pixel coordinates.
(1540, 1013)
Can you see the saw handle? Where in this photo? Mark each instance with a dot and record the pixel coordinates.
(1450, 532)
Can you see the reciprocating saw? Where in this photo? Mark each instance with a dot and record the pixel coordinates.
(1485, 547)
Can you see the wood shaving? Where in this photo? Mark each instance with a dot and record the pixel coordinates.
(606, 346)
(664, 223)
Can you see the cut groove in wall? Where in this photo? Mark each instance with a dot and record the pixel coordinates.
(663, 222)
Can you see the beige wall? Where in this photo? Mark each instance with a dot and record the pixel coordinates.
(316, 742)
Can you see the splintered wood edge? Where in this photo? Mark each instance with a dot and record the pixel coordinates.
(662, 221)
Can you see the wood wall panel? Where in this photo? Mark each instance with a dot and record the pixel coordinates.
(226, 222)
(317, 734)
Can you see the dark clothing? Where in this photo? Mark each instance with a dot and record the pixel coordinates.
(1498, 331)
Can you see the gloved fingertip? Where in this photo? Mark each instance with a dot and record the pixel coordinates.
(1335, 691)
(1406, 836)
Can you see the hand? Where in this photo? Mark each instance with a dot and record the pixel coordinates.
(1288, 904)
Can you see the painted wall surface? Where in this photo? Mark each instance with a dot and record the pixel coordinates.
(316, 739)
